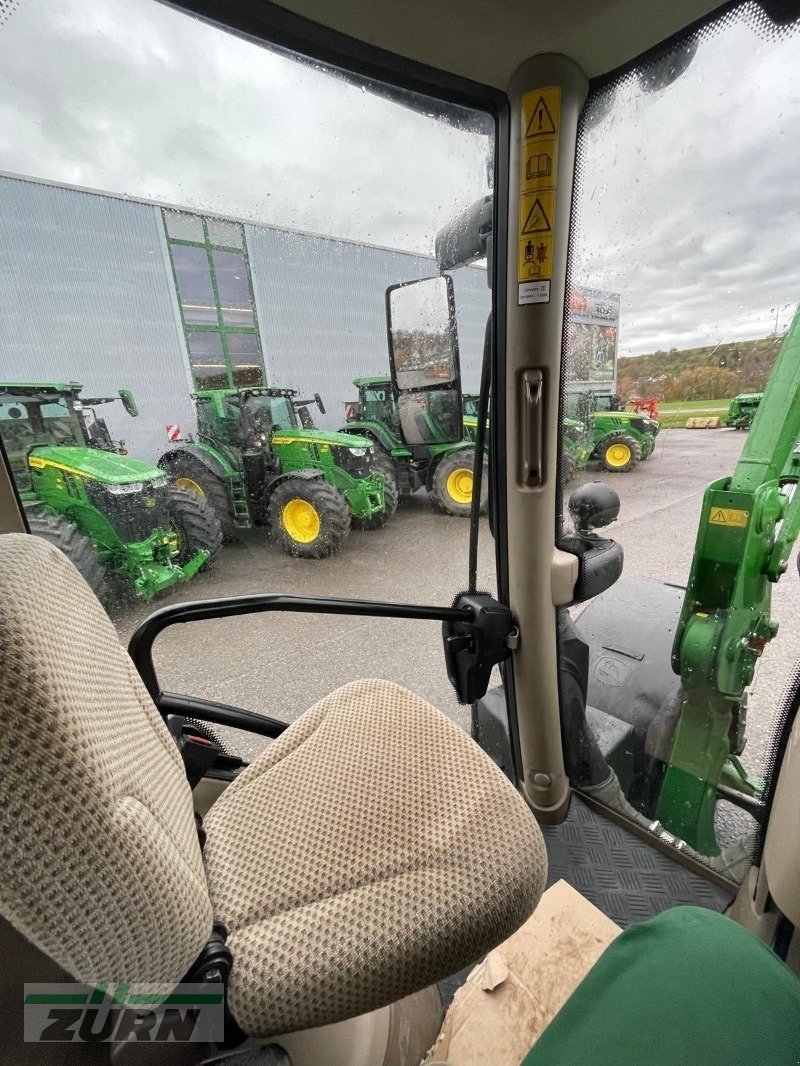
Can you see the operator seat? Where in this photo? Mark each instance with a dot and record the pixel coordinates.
(368, 852)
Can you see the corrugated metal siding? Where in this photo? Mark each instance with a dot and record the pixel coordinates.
(85, 295)
(321, 311)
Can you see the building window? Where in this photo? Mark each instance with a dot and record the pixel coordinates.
(215, 295)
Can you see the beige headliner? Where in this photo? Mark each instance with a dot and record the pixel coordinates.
(487, 39)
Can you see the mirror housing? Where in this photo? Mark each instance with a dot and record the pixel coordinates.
(128, 402)
(600, 560)
(593, 506)
(319, 403)
(424, 359)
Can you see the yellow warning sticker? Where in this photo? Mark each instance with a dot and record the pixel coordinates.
(540, 118)
(728, 516)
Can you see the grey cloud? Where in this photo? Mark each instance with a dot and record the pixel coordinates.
(690, 197)
(135, 98)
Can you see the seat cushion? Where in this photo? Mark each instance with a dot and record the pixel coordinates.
(368, 852)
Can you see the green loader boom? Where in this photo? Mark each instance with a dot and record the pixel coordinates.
(748, 526)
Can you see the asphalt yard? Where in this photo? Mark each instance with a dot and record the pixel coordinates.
(280, 664)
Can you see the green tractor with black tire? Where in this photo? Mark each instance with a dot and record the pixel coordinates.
(619, 439)
(258, 461)
(113, 516)
(444, 469)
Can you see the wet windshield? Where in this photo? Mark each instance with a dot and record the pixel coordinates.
(270, 412)
(241, 235)
(681, 296)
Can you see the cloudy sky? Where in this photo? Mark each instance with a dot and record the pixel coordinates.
(690, 202)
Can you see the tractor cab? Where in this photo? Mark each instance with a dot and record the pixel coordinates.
(35, 416)
(376, 402)
(512, 779)
(54, 415)
(247, 418)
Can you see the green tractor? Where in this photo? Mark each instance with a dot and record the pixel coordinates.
(259, 461)
(444, 469)
(109, 513)
(743, 409)
(577, 447)
(619, 439)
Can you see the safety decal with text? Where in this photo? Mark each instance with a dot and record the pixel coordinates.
(728, 516)
(541, 115)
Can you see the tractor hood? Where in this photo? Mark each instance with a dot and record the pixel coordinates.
(106, 467)
(620, 416)
(319, 436)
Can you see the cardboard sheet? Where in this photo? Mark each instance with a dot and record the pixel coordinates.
(507, 1000)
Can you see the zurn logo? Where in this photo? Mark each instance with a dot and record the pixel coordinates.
(111, 1014)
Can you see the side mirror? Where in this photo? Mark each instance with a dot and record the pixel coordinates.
(600, 561)
(423, 353)
(128, 402)
(592, 506)
(319, 403)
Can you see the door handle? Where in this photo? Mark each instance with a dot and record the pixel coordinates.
(532, 427)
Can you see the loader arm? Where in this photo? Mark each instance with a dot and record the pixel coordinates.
(748, 526)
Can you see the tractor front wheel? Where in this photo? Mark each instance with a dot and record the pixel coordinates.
(308, 517)
(619, 453)
(187, 473)
(453, 484)
(382, 463)
(77, 547)
(195, 522)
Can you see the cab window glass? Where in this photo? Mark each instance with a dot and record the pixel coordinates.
(233, 253)
(681, 293)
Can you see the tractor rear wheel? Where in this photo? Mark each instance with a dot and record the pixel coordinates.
(195, 522)
(382, 463)
(308, 517)
(619, 453)
(77, 547)
(189, 474)
(453, 483)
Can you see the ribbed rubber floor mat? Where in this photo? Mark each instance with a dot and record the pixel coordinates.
(620, 874)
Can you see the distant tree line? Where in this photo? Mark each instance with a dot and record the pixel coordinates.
(707, 373)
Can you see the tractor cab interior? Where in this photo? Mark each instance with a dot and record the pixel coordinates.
(569, 853)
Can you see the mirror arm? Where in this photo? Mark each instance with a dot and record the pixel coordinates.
(477, 470)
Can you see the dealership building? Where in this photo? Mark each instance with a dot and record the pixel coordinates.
(119, 293)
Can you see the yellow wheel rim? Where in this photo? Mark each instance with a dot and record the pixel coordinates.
(190, 486)
(301, 521)
(618, 455)
(459, 485)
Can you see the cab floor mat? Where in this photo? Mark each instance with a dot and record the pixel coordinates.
(619, 873)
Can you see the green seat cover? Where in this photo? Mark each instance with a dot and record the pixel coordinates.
(689, 986)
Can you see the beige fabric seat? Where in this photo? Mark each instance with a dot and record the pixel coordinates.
(371, 850)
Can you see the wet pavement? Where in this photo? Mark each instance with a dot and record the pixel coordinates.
(280, 664)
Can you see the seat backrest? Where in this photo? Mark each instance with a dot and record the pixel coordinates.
(100, 865)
